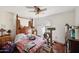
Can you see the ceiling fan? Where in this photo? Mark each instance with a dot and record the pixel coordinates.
(37, 9)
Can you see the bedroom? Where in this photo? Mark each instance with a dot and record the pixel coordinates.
(14, 21)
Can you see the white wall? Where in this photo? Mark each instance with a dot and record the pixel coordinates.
(40, 24)
(58, 21)
(77, 21)
(77, 16)
(7, 21)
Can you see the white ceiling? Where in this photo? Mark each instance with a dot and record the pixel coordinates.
(24, 12)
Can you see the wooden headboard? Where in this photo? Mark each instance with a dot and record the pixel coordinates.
(20, 29)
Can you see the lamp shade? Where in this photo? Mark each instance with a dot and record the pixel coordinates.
(2, 30)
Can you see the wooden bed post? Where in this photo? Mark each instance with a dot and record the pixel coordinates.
(17, 24)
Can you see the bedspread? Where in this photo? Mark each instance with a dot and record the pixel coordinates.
(39, 41)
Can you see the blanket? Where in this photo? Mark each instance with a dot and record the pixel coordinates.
(28, 46)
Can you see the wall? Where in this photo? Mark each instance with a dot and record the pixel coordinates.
(58, 21)
(7, 21)
(77, 21)
(40, 24)
(77, 16)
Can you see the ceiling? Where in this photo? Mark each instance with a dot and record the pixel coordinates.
(24, 12)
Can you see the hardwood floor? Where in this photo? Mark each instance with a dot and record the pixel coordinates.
(58, 48)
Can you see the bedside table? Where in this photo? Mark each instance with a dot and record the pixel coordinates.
(4, 39)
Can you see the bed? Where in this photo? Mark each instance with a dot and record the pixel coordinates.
(38, 41)
(23, 42)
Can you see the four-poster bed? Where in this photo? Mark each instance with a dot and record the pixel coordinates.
(23, 43)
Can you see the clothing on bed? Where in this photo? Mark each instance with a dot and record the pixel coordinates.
(31, 37)
(26, 43)
(28, 46)
(24, 36)
(8, 47)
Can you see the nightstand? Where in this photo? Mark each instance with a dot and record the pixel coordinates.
(4, 39)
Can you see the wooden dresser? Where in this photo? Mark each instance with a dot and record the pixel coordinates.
(4, 39)
(74, 46)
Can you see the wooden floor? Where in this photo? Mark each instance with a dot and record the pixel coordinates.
(56, 48)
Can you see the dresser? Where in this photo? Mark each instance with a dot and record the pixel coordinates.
(4, 39)
(74, 46)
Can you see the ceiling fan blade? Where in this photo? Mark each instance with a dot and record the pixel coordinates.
(43, 9)
(39, 13)
(32, 11)
(29, 7)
